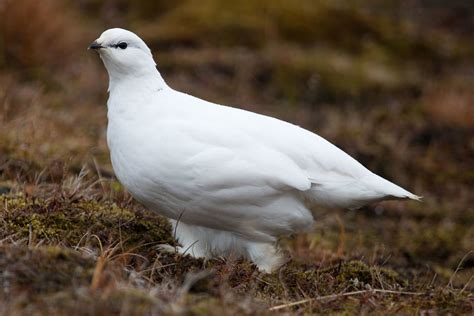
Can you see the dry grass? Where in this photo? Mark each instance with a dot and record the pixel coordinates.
(380, 85)
(450, 103)
(35, 41)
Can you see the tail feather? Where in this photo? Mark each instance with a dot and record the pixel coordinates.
(412, 196)
(392, 191)
(355, 194)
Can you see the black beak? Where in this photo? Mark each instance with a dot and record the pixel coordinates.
(95, 46)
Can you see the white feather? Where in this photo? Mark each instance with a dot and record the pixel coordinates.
(236, 180)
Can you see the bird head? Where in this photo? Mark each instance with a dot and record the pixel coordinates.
(123, 53)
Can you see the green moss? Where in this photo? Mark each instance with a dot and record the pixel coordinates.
(56, 272)
(254, 23)
(444, 244)
(72, 223)
(47, 268)
(328, 74)
(110, 302)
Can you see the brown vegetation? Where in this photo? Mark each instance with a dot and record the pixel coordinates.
(388, 84)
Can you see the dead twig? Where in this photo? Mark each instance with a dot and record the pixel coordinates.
(346, 294)
(459, 267)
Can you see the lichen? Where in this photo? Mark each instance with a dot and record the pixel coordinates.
(73, 223)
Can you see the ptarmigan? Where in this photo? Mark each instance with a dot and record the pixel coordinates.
(229, 180)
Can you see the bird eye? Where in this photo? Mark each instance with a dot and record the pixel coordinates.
(122, 45)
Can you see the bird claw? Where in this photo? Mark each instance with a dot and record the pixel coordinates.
(166, 248)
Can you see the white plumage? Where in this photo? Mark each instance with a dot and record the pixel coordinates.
(230, 181)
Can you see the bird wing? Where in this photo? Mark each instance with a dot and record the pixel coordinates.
(229, 147)
(234, 149)
(222, 158)
(228, 180)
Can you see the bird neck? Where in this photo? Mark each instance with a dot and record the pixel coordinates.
(146, 80)
(130, 95)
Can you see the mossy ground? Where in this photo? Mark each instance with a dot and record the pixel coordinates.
(391, 87)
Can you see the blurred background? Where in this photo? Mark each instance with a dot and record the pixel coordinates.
(390, 82)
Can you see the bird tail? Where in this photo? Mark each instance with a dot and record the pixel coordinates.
(391, 191)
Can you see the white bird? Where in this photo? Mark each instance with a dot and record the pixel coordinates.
(230, 181)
